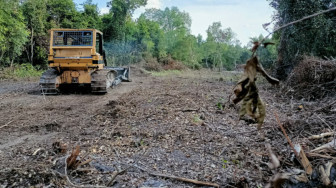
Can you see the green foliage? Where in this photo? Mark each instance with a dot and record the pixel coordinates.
(35, 14)
(13, 33)
(224, 162)
(156, 36)
(90, 16)
(121, 11)
(315, 36)
(196, 119)
(220, 106)
(221, 49)
(267, 56)
(62, 14)
(25, 70)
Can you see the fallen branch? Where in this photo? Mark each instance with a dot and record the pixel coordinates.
(327, 106)
(196, 182)
(304, 160)
(6, 124)
(299, 155)
(297, 21)
(320, 156)
(275, 163)
(324, 177)
(74, 185)
(72, 162)
(284, 132)
(331, 144)
(115, 174)
(305, 18)
(322, 135)
(38, 150)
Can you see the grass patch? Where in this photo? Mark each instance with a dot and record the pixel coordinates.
(225, 76)
(166, 73)
(22, 71)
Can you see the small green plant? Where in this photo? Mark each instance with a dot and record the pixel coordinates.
(225, 162)
(196, 119)
(220, 106)
(142, 143)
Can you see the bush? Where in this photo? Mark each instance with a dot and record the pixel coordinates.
(21, 71)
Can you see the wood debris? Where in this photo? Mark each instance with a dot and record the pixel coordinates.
(322, 135)
(72, 162)
(330, 145)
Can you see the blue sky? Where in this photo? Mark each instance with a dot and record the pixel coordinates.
(245, 17)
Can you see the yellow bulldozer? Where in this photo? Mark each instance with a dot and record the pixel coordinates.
(77, 58)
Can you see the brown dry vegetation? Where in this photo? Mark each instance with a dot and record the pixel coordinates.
(176, 124)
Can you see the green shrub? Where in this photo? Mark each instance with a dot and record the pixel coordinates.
(25, 70)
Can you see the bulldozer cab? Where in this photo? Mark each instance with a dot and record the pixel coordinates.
(84, 47)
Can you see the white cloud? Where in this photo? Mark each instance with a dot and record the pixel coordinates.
(242, 18)
(150, 4)
(153, 4)
(104, 10)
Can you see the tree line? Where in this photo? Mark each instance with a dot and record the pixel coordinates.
(157, 34)
(162, 34)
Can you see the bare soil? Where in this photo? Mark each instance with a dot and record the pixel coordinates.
(179, 124)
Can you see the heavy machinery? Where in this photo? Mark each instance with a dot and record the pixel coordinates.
(77, 58)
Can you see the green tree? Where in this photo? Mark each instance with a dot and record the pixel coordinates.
(90, 16)
(151, 37)
(35, 14)
(316, 36)
(63, 14)
(121, 11)
(13, 33)
(267, 56)
(221, 47)
(177, 40)
(107, 24)
(175, 23)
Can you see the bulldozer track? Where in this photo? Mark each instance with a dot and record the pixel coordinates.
(102, 80)
(48, 82)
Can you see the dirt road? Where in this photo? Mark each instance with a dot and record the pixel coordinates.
(179, 124)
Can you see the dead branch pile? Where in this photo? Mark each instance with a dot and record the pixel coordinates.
(170, 64)
(167, 63)
(152, 64)
(313, 78)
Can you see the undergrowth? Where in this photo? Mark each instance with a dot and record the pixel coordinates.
(21, 71)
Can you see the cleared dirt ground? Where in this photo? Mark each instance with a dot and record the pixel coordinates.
(176, 124)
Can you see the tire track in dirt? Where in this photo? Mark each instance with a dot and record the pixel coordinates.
(37, 121)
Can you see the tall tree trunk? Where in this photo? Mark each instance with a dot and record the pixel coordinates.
(1, 56)
(32, 43)
(11, 63)
(30, 48)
